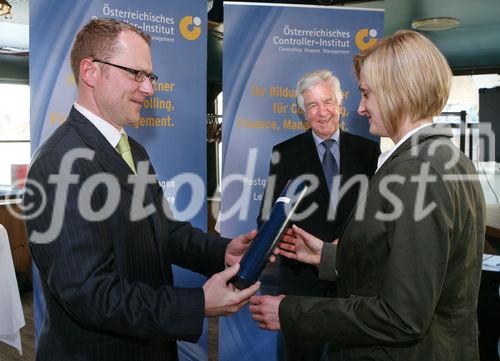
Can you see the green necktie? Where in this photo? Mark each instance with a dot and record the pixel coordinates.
(124, 149)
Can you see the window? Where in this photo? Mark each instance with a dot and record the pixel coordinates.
(218, 111)
(214, 147)
(475, 133)
(14, 136)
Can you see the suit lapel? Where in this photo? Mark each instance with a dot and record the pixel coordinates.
(152, 192)
(349, 159)
(112, 162)
(308, 158)
(154, 196)
(105, 155)
(435, 130)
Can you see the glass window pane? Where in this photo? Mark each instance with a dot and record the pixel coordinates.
(14, 154)
(14, 112)
(14, 135)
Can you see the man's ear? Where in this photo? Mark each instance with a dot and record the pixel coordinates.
(88, 72)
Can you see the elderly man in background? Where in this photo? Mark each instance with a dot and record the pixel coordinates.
(323, 152)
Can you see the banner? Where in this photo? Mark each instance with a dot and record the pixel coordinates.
(173, 121)
(267, 48)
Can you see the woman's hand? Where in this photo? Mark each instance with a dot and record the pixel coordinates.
(300, 245)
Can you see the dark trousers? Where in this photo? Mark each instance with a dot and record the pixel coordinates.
(297, 279)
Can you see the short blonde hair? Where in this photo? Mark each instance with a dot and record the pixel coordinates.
(310, 80)
(409, 76)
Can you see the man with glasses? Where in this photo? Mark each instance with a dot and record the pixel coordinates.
(100, 236)
(139, 75)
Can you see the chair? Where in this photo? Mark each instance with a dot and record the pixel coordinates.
(11, 311)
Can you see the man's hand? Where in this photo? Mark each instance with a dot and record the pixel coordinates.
(238, 246)
(300, 245)
(222, 299)
(265, 310)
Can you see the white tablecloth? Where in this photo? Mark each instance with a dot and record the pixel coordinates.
(11, 311)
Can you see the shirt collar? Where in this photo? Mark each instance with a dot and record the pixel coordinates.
(318, 140)
(386, 155)
(109, 132)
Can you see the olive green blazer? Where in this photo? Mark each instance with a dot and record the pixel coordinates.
(409, 267)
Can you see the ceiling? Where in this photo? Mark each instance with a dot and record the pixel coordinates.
(474, 47)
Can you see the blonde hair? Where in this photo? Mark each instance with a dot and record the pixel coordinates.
(409, 76)
(309, 80)
(98, 40)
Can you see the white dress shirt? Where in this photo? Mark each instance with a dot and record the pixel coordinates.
(112, 134)
(384, 156)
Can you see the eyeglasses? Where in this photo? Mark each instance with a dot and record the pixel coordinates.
(139, 75)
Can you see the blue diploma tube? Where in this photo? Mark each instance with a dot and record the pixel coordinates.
(256, 257)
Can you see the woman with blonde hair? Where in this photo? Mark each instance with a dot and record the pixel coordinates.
(408, 263)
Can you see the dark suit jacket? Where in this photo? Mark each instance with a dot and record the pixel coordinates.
(299, 156)
(409, 284)
(108, 284)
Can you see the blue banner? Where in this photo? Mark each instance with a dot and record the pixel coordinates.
(267, 48)
(173, 121)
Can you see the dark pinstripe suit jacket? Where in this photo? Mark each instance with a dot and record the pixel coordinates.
(108, 284)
